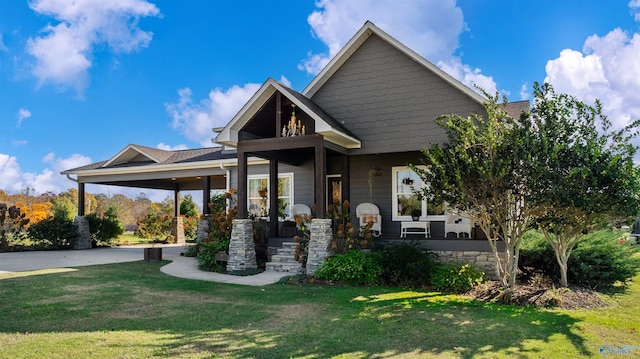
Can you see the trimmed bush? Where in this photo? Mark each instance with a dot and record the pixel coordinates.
(104, 230)
(456, 278)
(599, 261)
(57, 232)
(406, 265)
(353, 267)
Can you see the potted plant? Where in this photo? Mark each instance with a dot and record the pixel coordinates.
(407, 181)
(415, 214)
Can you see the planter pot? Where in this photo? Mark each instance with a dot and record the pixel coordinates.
(416, 218)
(152, 254)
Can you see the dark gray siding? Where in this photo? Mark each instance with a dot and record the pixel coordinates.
(389, 101)
(381, 186)
(302, 178)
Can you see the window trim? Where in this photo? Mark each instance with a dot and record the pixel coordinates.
(266, 176)
(394, 199)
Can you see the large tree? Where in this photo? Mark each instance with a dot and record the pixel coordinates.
(480, 171)
(583, 172)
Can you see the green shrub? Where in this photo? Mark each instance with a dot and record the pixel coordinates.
(406, 265)
(190, 225)
(206, 256)
(599, 260)
(456, 278)
(536, 256)
(104, 231)
(155, 225)
(191, 250)
(602, 260)
(57, 232)
(353, 267)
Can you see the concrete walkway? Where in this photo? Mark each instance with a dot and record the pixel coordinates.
(180, 266)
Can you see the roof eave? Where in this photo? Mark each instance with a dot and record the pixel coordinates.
(162, 167)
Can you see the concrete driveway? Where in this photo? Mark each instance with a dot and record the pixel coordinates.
(33, 260)
(180, 266)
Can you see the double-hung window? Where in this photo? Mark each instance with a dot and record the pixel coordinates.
(405, 202)
(258, 195)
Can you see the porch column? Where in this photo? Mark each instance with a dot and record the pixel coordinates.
(177, 224)
(273, 199)
(346, 180)
(80, 199)
(206, 194)
(176, 201)
(320, 175)
(242, 182)
(81, 223)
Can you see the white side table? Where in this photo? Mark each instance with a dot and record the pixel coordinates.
(415, 227)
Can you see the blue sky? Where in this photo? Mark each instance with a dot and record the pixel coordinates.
(80, 82)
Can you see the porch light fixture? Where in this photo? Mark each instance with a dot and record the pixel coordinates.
(292, 128)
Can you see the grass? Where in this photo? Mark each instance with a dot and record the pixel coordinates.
(128, 238)
(132, 310)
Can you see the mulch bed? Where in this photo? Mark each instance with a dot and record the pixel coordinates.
(538, 292)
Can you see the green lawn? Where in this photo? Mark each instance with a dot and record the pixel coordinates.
(132, 310)
(128, 238)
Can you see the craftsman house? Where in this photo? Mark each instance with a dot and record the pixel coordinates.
(349, 135)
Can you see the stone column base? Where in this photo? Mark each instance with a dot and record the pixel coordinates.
(320, 239)
(242, 250)
(84, 233)
(177, 230)
(203, 227)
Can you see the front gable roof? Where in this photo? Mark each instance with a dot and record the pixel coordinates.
(325, 125)
(137, 153)
(358, 39)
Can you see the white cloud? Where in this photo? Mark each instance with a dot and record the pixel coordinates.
(164, 146)
(432, 28)
(634, 5)
(607, 69)
(10, 175)
(64, 51)
(196, 120)
(285, 81)
(13, 179)
(468, 76)
(23, 114)
(525, 94)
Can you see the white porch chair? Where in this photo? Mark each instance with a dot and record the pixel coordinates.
(301, 209)
(369, 212)
(459, 225)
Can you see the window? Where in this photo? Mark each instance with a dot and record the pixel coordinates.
(258, 195)
(404, 201)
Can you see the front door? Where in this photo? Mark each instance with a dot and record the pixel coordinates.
(334, 190)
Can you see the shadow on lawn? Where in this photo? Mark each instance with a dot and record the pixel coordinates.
(197, 318)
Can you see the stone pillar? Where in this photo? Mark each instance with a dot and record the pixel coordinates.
(84, 233)
(203, 229)
(320, 239)
(177, 230)
(242, 250)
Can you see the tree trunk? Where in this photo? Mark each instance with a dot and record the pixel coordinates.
(563, 259)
